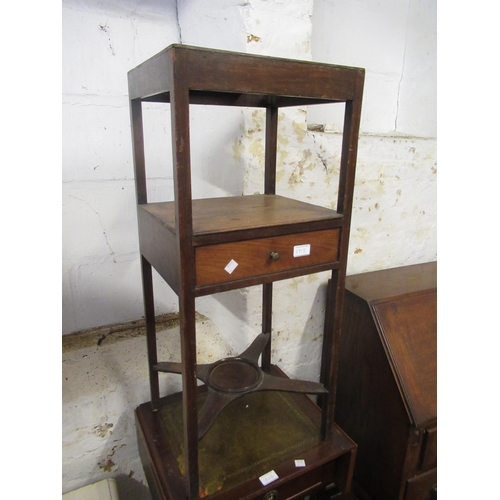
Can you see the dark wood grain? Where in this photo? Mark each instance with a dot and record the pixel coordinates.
(264, 278)
(138, 151)
(253, 257)
(386, 391)
(270, 154)
(159, 247)
(409, 326)
(241, 215)
(271, 150)
(333, 325)
(393, 282)
(421, 487)
(185, 255)
(186, 239)
(222, 71)
(429, 449)
(147, 287)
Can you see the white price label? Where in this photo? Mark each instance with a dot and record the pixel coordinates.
(268, 477)
(231, 266)
(301, 250)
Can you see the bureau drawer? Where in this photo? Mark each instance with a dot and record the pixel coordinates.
(296, 489)
(422, 487)
(246, 259)
(429, 449)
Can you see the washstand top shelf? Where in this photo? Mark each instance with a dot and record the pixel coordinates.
(239, 79)
(245, 217)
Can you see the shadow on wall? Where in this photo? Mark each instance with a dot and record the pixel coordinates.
(298, 321)
(216, 167)
(130, 489)
(230, 311)
(120, 452)
(309, 353)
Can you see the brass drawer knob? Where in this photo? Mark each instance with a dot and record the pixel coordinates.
(271, 495)
(274, 256)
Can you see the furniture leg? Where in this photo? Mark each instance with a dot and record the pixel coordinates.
(149, 315)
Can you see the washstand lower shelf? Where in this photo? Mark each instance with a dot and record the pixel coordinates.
(257, 433)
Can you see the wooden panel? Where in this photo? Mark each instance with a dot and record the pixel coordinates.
(393, 282)
(388, 349)
(151, 77)
(369, 406)
(236, 217)
(408, 328)
(263, 279)
(429, 451)
(222, 71)
(252, 258)
(421, 487)
(297, 489)
(156, 245)
(219, 71)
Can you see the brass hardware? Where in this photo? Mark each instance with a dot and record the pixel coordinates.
(274, 256)
(271, 495)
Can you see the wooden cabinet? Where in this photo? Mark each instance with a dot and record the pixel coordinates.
(200, 443)
(386, 399)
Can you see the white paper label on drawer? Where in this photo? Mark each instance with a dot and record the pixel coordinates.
(301, 250)
(300, 463)
(268, 477)
(232, 265)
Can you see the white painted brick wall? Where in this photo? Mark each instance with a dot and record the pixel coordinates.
(102, 384)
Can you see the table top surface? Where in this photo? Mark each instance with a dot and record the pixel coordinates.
(377, 285)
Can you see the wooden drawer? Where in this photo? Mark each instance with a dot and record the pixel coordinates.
(295, 489)
(305, 483)
(429, 449)
(245, 259)
(422, 487)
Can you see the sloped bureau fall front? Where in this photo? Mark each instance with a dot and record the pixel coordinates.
(387, 391)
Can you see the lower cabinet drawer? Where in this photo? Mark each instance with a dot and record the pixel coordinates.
(246, 259)
(301, 486)
(422, 487)
(296, 490)
(429, 450)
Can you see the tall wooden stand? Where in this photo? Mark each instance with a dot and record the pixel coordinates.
(205, 246)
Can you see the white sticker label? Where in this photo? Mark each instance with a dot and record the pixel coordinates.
(300, 463)
(301, 250)
(268, 477)
(232, 265)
